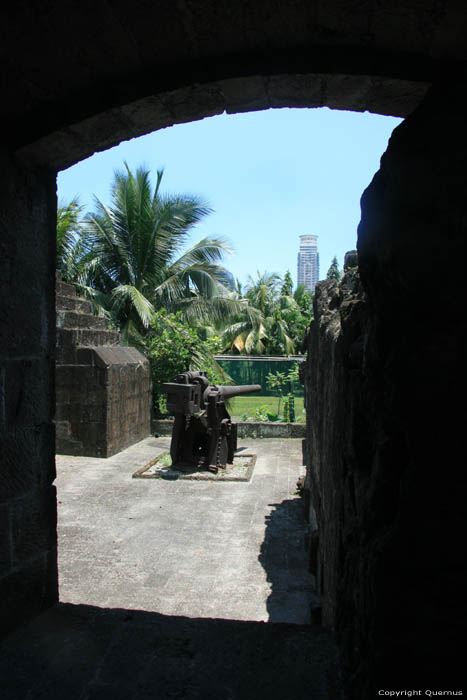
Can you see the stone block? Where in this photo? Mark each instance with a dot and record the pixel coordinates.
(85, 356)
(67, 303)
(62, 289)
(26, 464)
(244, 94)
(64, 355)
(62, 428)
(74, 320)
(26, 401)
(106, 403)
(33, 525)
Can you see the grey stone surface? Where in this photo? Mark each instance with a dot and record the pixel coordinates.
(245, 429)
(166, 587)
(231, 550)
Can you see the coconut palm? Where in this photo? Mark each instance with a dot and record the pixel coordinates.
(267, 332)
(135, 264)
(246, 336)
(263, 291)
(68, 253)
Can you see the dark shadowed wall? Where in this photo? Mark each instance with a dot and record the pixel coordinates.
(384, 403)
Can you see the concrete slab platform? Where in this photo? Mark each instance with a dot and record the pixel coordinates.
(160, 467)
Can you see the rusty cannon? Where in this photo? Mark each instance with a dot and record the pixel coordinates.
(203, 434)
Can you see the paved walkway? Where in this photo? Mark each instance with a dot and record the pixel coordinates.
(165, 587)
(222, 550)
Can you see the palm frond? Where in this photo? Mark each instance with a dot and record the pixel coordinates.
(143, 307)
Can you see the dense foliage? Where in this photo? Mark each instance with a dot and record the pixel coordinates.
(178, 306)
(173, 347)
(129, 257)
(69, 249)
(282, 321)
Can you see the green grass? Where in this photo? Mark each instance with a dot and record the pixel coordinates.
(248, 405)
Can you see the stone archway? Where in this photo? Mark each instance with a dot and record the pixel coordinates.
(67, 94)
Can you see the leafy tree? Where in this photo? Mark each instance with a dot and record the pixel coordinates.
(134, 262)
(173, 347)
(334, 273)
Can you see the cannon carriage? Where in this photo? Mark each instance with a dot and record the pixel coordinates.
(203, 435)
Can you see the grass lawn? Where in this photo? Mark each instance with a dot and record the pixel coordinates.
(248, 405)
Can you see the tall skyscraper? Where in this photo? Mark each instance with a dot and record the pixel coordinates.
(308, 262)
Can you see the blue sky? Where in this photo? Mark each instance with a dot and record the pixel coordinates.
(269, 176)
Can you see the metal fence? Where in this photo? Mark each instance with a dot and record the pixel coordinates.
(248, 369)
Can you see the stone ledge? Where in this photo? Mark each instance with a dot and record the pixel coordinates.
(245, 429)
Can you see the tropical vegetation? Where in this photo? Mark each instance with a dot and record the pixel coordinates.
(130, 258)
(283, 318)
(68, 250)
(172, 347)
(176, 303)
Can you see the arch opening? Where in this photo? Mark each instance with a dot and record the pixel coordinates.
(44, 139)
(231, 151)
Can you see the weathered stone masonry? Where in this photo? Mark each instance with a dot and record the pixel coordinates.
(103, 390)
(383, 393)
(28, 551)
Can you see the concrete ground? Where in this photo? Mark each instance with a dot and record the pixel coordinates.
(223, 550)
(165, 587)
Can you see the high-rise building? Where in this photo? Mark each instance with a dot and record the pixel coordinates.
(308, 262)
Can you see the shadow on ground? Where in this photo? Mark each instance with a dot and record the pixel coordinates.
(80, 652)
(283, 559)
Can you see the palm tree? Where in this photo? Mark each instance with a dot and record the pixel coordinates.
(68, 253)
(303, 298)
(263, 291)
(266, 331)
(134, 265)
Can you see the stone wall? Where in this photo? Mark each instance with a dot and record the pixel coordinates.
(103, 390)
(383, 395)
(28, 556)
(245, 429)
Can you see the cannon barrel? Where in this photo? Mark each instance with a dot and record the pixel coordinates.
(229, 392)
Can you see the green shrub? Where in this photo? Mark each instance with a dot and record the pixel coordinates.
(173, 347)
(273, 417)
(261, 413)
